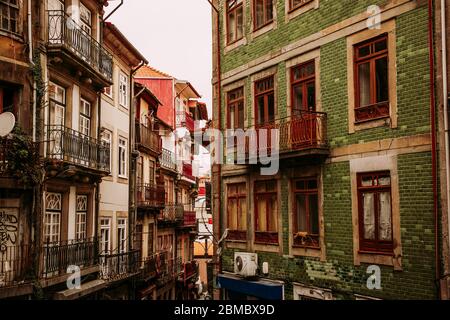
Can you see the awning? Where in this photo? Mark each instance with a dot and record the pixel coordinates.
(263, 289)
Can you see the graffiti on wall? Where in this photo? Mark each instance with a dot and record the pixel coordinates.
(9, 224)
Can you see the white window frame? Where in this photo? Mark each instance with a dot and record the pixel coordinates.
(122, 235)
(86, 24)
(123, 159)
(85, 117)
(123, 90)
(57, 103)
(81, 218)
(105, 229)
(53, 214)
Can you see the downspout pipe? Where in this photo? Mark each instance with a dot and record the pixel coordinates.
(433, 141)
(445, 102)
(30, 56)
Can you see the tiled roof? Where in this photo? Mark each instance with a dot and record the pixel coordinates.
(150, 72)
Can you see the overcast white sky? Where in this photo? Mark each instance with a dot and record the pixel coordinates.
(174, 36)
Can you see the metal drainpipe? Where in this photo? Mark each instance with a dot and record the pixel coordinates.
(433, 139)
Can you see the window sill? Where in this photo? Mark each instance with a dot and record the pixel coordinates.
(123, 180)
(15, 36)
(264, 29)
(304, 251)
(371, 124)
(235, 45)
(295, 12)
(380, 258)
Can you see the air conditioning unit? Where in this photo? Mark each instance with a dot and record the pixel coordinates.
(245, 264)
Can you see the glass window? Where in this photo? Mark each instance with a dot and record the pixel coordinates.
(294, 4)
(303, 86)
(235, 22)
(122, 235)
(266, 212)
(265, 100)
(123, 90)
(81, 218)
(85, 117)
(237, 211)
(105, 236)
(263, 13)
(9, 15)
(123, 156)
(52, 223)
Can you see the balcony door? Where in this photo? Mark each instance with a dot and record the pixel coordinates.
(56, 13)
(86, 27)
(52, 233)
(57, 121)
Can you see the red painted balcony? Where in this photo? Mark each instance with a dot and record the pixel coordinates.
(190, 270)
(150, 195)
(187, 171)
(148, 140)
(185, 120)
(189, 218)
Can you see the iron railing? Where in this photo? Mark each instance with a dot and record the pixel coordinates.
(65, 32)
(190, 269)
(150, 267)
(15, 263)
(167, 160)
(74, 147)
(172, 213)
(4, 148)
(58, 256)
(148, 138)
(150, 195)
(119, 266)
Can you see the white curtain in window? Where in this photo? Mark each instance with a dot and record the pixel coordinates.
(369, 216)
(385, 217)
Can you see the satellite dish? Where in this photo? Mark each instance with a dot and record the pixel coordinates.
(7, 123)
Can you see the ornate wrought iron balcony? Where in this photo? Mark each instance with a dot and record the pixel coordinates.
(151, 195)
(15, 262)
(57, 256)
(119, 266)
(172, 213)
(167, 160)
(71, 146)
(64, 34)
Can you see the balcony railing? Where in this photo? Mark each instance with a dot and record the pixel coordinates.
(148, 138)
(15, 262)
(76, 148)
(167, 160)
(169, 268)
(185, 120)
(190, 269)
(119, 266)
(57, 256)
(149, 195)
(64, 32)
(187, 171)
(4, 147)
(172, 213)
(189, 218)
(150, 267)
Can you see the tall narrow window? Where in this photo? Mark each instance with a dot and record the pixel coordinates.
(81, 218)
(122, 235)
(375, 212)
(105, 236)
(303, 88)
(106, 137)
(8, 99)
(372, 79)
(237, 211)
(235, 106)
(122, 158)
(140, 171)
(294, 4)
(306, 213)
(52, 223)
(235, 20)
(57, 104)
(265, 101)
(262, 13)
(150, 239)
(85, 117)
(266, 212)
(9, 15)
(123, 90)
(151, 171)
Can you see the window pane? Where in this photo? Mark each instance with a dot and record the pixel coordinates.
(231, 26)
(273, 218)
(259, 13)
(367, 181)
(271, 108)
(243, 214)
(298, 98)
(384, 181)
(314, 213)
(369, 216)
(385, 217)
(364, 84)
(260, 103)
(301, 213)
(311, 91)
(241, 116)
(269, 10)
(364, 51)
(381, 45)
(240, 23)
(312, 184)
(381, 66)
(261, 224)
(232, 214)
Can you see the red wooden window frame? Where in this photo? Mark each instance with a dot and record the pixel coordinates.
(293, 7)
(236, 234)
(303, 82)
(270, 236)
(310, 188)
(233, 8)
(375, 109)
(269, 89)
(265, 21)
(376, 245)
